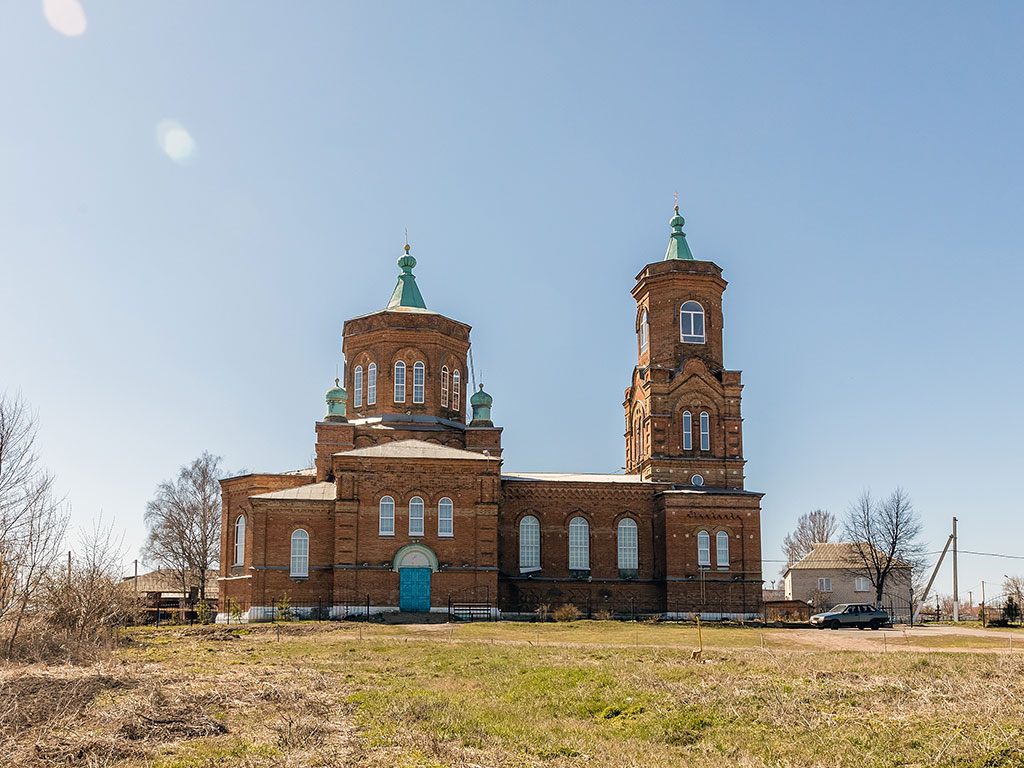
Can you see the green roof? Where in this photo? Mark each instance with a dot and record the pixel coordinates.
(677, 247)
(407, 293)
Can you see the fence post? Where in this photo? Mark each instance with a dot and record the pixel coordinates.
(367, 606)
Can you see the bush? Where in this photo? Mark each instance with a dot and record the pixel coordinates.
(567, 612)
(283, 608)
(1011, 611)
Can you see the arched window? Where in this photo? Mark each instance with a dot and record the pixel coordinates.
(529, 544)
(579, 544)
(705, 431)
(415, 516)
(445, 513)
(455, 389)
(628, 545)
(387, 516)
(399, 382)
(722, 545)
(703, 549)
(240, 540)
(643, 331)
(444, 386)
(687, 431)
(417, 383)
(357, 385)
(371, 384)
(691, 323)
(300, 553)
(638, 436)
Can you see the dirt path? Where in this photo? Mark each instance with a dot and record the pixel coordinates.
(923, 639)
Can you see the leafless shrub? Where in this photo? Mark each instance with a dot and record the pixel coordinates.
(567, 612)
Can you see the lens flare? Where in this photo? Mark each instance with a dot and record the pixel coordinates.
(175, 142)
(65, 16)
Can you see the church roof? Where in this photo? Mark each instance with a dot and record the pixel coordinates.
(311, 492)
(677, 247)
(414, 449)
(407, 294)
(571, 477)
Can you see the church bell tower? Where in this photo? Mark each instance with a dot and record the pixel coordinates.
(683, 423)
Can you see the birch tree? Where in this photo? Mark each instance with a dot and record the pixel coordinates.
(183, 519)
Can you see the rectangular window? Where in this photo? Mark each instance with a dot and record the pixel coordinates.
(399, 382)
(445, 513)
(703, 549)
(416, 516)
(358, 386)
(579, 545)
(862, 584)
(417, 383)
(825, 584)
(371, 384)
(529, 544)
(628, 554)
(723, 549)
(387, 516)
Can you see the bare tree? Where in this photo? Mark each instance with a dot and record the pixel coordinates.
(184, 523)
(884, 536)
(32, 519)
(812, 528)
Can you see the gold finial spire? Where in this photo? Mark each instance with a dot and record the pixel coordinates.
(676, 200)
(406, 239)
(337, 382)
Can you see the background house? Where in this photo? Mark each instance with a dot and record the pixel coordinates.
(832, 573)
(161, 591)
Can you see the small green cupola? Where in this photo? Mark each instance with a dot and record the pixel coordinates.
(481, 404)
(336, 398)
(677, 247)
(407, 293)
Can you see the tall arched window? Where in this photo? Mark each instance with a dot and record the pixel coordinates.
(300, 553)
(705, 431)
(415, 516)
(638, 436)
(579, 544)
(417, 383)
(722, 545)
(399, 382)
(445, 513)
(687, 431)
(529, 544)
(387, 516)
(628, 545)
(643, 331)
(357, 385)
(691, 323)
(456, 391)
(371, 384)
(240, 540)
(444, 386)
(703, 549)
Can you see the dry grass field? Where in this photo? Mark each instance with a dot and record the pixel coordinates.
(579, 694)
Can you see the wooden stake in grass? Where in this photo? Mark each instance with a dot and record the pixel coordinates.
(698, 654)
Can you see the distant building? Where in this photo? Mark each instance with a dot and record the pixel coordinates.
(161, 590)
(408, 507)
(832, 573)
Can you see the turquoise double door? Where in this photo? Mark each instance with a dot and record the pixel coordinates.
(414, 589)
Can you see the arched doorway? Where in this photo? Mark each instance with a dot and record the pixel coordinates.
(414, 564)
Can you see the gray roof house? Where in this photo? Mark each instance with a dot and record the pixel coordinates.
(832, 573)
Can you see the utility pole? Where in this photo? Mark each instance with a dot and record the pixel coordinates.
(983, 603)
(956, 589)
(136, 583)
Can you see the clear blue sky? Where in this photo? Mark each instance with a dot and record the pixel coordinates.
(855, 169)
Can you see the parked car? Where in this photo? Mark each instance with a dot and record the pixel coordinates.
(860, 615)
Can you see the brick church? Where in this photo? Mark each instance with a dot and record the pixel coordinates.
(408, 507)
